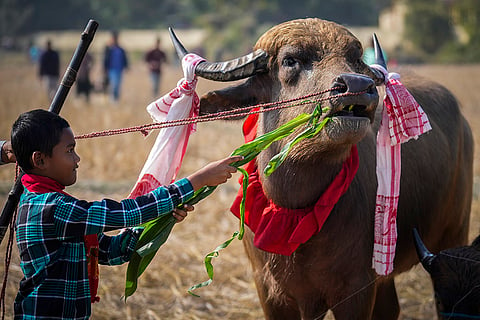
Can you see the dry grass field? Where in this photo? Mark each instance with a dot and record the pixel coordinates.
(109, 168)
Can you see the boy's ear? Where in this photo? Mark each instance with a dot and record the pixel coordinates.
(38, 160)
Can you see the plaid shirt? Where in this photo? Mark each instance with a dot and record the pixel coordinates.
(49, 233)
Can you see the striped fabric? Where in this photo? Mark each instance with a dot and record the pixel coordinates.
(402, 119)
(166, 156)
(49, 233)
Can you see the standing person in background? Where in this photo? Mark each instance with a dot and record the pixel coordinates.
(115, 63)
(84, 85)
(105, 81)
(33, 52)
(49, 71)
(154, 59)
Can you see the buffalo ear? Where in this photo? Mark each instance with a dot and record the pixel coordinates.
(476, 243)
(245, 94)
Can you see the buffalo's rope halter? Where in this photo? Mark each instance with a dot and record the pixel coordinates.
(223, 115)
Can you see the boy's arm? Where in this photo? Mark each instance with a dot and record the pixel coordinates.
(75, 217)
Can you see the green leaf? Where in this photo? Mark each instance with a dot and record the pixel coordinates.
(241, 230)
(279, 158)
(160, 237)
(209, 266)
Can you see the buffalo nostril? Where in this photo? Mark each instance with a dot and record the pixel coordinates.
(350, 82)
(339, 85)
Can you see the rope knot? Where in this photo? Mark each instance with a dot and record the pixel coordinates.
(187, 87)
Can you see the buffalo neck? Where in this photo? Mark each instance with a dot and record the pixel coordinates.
(297, 183)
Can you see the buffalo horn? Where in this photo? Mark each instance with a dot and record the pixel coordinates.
(379, 57)
(235, 69)
(425, 256)
(380, 60)
(179, 48)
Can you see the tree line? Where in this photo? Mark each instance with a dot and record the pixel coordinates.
(431, 25)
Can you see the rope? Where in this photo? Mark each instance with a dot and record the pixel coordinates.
(223, 115)
(8, 254)
(348, 298)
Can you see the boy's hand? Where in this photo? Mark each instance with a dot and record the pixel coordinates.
(214, 173)
(181, 214)
(7, 153)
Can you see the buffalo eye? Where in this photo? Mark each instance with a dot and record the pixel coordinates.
(290, 70)
(288, 62)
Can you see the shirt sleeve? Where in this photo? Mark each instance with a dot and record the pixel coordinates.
(116, 250)
(2, 142)
(73, 217)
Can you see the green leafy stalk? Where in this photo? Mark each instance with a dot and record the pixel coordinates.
(155, 234)
(157, 231)
(209, 266)
(278, 159)
(238, 234)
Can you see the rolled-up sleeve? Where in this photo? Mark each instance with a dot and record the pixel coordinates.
(116, 250)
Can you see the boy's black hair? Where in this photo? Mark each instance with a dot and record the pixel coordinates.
(36, 130)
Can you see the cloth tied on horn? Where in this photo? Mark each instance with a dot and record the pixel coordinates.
(402, 119)
(167, 153)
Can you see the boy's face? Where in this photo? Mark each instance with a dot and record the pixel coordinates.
(62, 165)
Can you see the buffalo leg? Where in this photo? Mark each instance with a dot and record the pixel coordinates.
(274, 308)
(358, 306)
(386, 302)
(276, 311)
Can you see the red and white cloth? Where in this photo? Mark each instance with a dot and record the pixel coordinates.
(166, 156)
(402, 119)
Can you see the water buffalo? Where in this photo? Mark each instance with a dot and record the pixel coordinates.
(455, 274)
(333, 269)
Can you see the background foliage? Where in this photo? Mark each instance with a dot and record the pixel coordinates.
(444, 30)
(435, 30)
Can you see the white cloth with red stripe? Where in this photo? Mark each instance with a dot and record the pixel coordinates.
(166, 156)
(402, 119)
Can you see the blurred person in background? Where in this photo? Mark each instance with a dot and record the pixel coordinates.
(49, 71)
(84, 85)
(115, 62)
(154, 59)
(33, 52)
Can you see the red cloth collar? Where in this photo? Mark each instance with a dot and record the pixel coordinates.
(281, 230)
(41, 184)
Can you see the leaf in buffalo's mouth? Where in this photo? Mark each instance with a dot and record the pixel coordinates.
(353, 110)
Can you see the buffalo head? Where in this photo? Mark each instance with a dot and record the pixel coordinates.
(295, 59)
(455, 275)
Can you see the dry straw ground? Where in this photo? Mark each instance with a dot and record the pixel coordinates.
(110, 165)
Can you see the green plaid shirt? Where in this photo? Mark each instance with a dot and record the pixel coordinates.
(49, 231)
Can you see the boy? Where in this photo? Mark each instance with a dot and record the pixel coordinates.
(54, 230)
